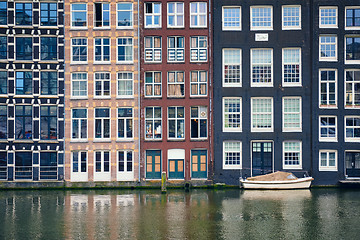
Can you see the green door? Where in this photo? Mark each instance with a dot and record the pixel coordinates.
(198, 164)
(176, 168)
(153, 164)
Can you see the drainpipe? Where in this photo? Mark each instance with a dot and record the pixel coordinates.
(210, 95)
(139, 105)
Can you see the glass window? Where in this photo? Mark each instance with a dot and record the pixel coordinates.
(24, 48)
(291, 17)
(198, 122)
(198, 83)
(352, 88)
(125, 50)
(3, 123)
(261, 18)
(152, 15)
(327, 160)
(328, 88)
(79, 50)
(261, 114)
(327, 128)
(78, 15)
(231, 19)
(23, 122)
(152, 49)
(261, 67)
(198, 49)
(48, 166)
(153, 123)
(23, 83)
(3, 165)
(198, 14)
(352, 128)
(232, 154)
(292, 121)
(125, 161)
(23, 166)
(23, 14)
(102, 161)
(176, 123)
(102, 84)
(102, 14)
(152, 84)
(102, 123)
(125, 84)
(3, 13)
(48, 14)
(292, 155)
(176, 84)
(328, 48)
(232, 114)
(102, 49)
(352, 17)
(125, 123)
(48, 81)
(79, 162)
(176, 49)
(79, 84)
(48, 122)
(328, 17)
(231, 67)
(175, 15)
(79, 124)
(3, 47)
(124, 15)
(291, 67)
(49, 48)
(3, 82)
(352, 49)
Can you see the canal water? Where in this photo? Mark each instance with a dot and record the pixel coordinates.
(197, 214)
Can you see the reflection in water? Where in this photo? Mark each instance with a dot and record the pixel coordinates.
(200, 214)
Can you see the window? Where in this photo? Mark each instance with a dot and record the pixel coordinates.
(79, 124)
(24, 48)
(231, 19)
(198, 83)
(125, 84)
(48, 14)
(152, 84)
(327, 160)
(23, 122)
(291, 67)
(125, 161)
(125, 123)
(23, 14)
(3, 82)
(198, 14)
(102, 123)
(352, 128)
(176, 123)
(48, 166)
(153, 123)
(102, 161)
(125, 50)
(232, 67)
(23, 83)
(152, 49)
(102, 15)
(261, 67)
(261, 114)
(198, 49)
(292, 155)
(327, 128)
(3, 165)
(79, 85)
(352, 17)
(3, 46)
(102, 84)
(79, 50)
(328, 48)
(352, 88)
(48, 82)
(78, 15)
(48, 122)
(102, 50)
(152, 15)
(261, 18)
(352, 54)
(328, 88)
(3, 13)
(176, 49)
(124, 15)
(232, 154)
(198, 122)
(49, 48)
(328, 17)
(79, 162)
(23, 165)
(176, 84)
(175, 15)
(3, 122)
(292, 121)
(232, 114)
(291, 17)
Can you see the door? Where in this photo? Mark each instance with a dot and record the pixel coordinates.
(262, 158)
(352, 164)
(176, 168)
(102, 166)
(198, 164)
(153, 164)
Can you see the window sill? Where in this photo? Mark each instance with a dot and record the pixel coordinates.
(291, 29)
(125, 140)
(328, 169)
(49, 27)
(327, 26)
(352, 28)
(101, 28)
(48, 141)
(328, 140)
(48, 96)
(101, 63)
(24, 26)
(176, 61)
(352, 106)
(102, 140)
(152, 62)
(125, 28)
(291, 130)
(176, 139)
(291, 85)
(261, 85)
(172, 97)
(78, 141)
(352, 139)
(125, 63)
(352, 61)
(78, 28)
(328, 106)
(236, 167)
(23, 96)
(78, 63)
(79, 98)
(198, 26)
(153, 140)
(125, 97)
(198, 139)
(196, 62)
(328, 60)
(49, 61)
(231, 85)
(231, 29)
(23, 141)
(102, 97)
(202, 96)
(229, 130)
(261, 29)
(23, 61)
(292, 167)
(152, 27)
(176, 27)
(150, 97)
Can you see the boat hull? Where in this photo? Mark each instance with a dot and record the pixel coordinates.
(301, 183)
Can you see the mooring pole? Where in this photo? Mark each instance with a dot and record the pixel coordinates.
(163, 182)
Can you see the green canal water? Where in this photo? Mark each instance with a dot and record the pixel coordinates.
(197, 214)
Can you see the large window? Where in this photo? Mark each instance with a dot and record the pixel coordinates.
(352, 17)
(198, 14)
(292, 120)
(79, 50)
(328, 48)
(23, 83)
(79, 163)
(48, 122)
(327, 128)
(152, 49)
(78, 15)
(23, 165)
(261, 114)
(327, 160)
(328, 17)
(175, 15)
(328, 88)
(102, 84)
(102, 50)
(125, 50)
(176, 123)
(79, 85)
(79, 124)
(48, 83)
(198, 83)
(352, 128)
(232, 154)
(3, 82)
(176, 49)
(102, 123)
(231, 18)
(153, 124)
(198, 49)
(24, 48)
(292, 155)
(176, 86)
(152, 84)
(261, 67)
(232, 114)
(3, 47)
(102, 161)
(102, 15)
(125, 161)
(352, 88)
(124, 15)
(261, 18)
(152, 15)
(198, 120)
(23, 122)
(125, 84)
(49, 48)
(3, 13)
(3, 165)
(291, 66)
(125, 123)
(3, 122)
(48, 166)
(23, 14)
(48, 14)
(231, 67)
(352, 54)
(291, 17)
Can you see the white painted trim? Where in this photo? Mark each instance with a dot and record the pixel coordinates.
(299, 84)
(351, 28)
(327, 84)
(328, 139)
(329, 59)
(282, 17)
(231, 28)
(224, 129)
(328, 168)
(284, 129)
(353, 139)
(329, 25)
(223, 68)
(272, 115)
(229, 167)
(270, 84)
(261, 28)
(175, 14)
(300, 155)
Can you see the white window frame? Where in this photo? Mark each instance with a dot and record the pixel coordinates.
(351, 28)
(261, 28)
(328, 139)
(146, 25)
(71, 15)
(198, 14)
(331, 58)
(256, 129)
(87, 50)
(197, 53)
(226, 115)
(226, 28)
(200, 117)
(351, 139)
(176, 119)
(117, 15)
(297, 166)
(350, 61)
(125, 138)
(153, 119)
(327, 82)
(126, 45)
(224, 152)
(353, 90)
(153, 84)
(126, 83)
(102, 46)
(198, 83)
(293, 63)
(239, 65)
(125, 175)
(83, 80)
(102, 84)
(79, 176)
(283, 17)
(263, 64)
(152, 54)
(327, 167)
(102, 163)
(176, 82)
(175, 15)
(80, 126)
(102, 138)
(178, 52)
(328, 25)
(291, 129)
(102, 15)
